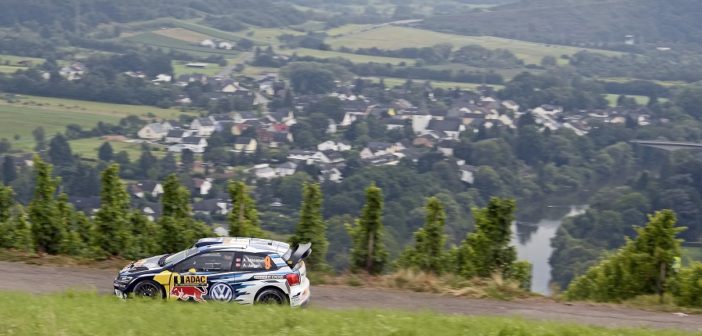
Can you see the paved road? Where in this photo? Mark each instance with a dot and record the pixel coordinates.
(45, 279)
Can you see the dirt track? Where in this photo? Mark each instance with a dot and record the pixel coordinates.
(44, 279)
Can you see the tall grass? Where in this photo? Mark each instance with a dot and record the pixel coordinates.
(88, 314)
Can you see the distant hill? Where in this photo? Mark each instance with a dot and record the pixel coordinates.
(64, 14)
(588, 22)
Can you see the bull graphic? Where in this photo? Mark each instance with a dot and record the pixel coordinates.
(186, 292)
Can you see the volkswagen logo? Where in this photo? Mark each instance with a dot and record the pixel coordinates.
(221, 292)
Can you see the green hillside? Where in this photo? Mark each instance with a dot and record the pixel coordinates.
(583, 21)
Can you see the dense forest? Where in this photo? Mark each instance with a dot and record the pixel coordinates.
(582, 22)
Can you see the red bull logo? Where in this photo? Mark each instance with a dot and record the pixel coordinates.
(189, 292)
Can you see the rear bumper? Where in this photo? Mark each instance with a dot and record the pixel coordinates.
(300, 294)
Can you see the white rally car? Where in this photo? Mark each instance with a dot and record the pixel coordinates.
(243, 270)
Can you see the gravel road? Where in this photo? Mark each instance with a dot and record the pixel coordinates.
(46, 279)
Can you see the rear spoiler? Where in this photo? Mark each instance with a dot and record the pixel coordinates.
(303, 251)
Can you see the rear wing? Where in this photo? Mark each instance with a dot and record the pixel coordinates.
(300, 253)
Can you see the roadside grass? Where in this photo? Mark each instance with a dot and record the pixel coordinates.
(81, 313)
(448, 284)
(351, 57)
(62, 261)
(395, 37)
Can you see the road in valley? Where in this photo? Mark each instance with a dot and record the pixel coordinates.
(47, 279)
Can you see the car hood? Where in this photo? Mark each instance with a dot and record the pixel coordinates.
(146, 264)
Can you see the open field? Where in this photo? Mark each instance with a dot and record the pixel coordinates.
(182, 34)
(641, 100)
(87, 314)
(692, 254)
(157, 40)
(392, 82)
(507, 74)
(88, 148)
(395, 37)
(10, 69)
(627, 79)
(351, 57)
(13, 60)
(21, 117)
(348, 29)
(268, 35)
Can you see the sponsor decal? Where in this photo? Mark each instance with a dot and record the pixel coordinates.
(221, 292)
(186, 287)
(269, 277)
(191, 280)
(189, 292)
(267, 263)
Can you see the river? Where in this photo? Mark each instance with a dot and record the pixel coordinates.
(533, 242)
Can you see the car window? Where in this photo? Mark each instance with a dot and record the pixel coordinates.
(180, 256)
(207, 262)
(254, 262)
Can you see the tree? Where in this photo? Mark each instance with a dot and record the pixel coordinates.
(368, 251)
(19, 233)
(243, 219)
(188, 159)
(60, 153)
(105, 152)
(146, 236)
(643, 266)
(428, 253)
(311, 227)
(6, 203)
(488, 250)
(43, 214)
(147, 162)
(9, 171)
(178, 229)
(39, 139)
(168, 165)
(113, 233)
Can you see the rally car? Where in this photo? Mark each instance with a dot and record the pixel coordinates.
(243, 270)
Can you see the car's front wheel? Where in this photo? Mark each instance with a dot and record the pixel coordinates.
(271, 296)
(148, 289)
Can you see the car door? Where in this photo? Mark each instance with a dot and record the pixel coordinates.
(197, 278)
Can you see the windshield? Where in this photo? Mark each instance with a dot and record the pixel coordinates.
(179, 256)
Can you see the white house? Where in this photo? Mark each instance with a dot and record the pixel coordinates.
(245, 145)
(194, 144)
(285, 169)
(203, 186)
(467, 173)
(208, 44)
(264, 171)
(332, 175)
(203, 126)
(163, 78)
(420, 122)
(225, 45)
(153, 131)
(333, 146)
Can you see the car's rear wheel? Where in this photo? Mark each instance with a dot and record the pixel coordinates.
(271, 296)
(148, 289)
